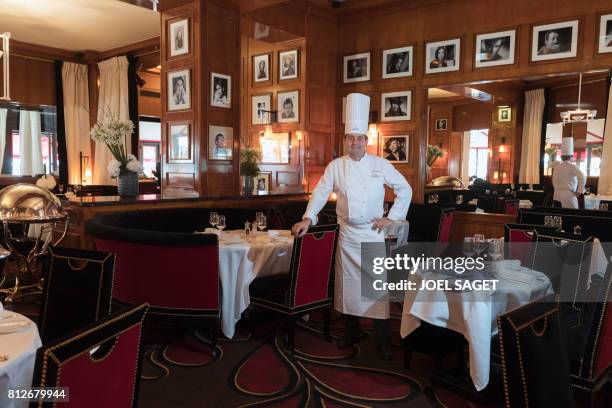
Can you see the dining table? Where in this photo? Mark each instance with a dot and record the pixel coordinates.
(19, 340)
(473, 313)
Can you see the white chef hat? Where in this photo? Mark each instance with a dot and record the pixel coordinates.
(567, 146)
(357, 114)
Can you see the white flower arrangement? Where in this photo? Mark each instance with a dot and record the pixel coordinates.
(113, 133)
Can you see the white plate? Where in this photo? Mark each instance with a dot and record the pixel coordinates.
(13, 325)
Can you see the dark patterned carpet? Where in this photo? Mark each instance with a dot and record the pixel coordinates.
(259, 371)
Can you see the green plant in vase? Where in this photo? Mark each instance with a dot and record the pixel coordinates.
(249, 167)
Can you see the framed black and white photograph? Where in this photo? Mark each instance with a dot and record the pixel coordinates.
(495, 49)
(554, 41)
(179, 141)
(261, 31)
(261, 68)
(288, 106)
(275, 148)
(262, 182)
(397, 62)
(605, 34)
(261, 105)
(179, 37)
(396, 105)
(441, 124)
(395, 148)
(504, 114)
(356, 67)
(220, 142)
(288, 65)
(442, 56)
(220, 90)
(179, 94)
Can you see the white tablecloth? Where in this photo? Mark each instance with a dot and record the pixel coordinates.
(16, 372)
(242, 258)
(472, 313)
(591, 201)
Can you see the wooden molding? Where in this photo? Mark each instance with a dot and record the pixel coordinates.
(149, 46)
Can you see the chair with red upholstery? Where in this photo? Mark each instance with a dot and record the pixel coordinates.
(176, 273)
(519, 240)
(99, 365)
(77, 290)
(534, 364)
(511, 206)
(429, 223)
(308, 285)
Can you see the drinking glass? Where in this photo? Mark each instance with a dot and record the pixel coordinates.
(603, 206)
(587, 190)
(436, 198)
(60, 188)
(468, 246)
(531, 187)
(221, 222)
(494, 249)
(385, 209)
(479, 243)
(459, 199)
(548, 220)
(213, 218)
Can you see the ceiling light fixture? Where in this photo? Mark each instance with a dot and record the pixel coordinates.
(578, 115)
(5, 56)
(155, 4)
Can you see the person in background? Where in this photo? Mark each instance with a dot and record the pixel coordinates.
(358, 180)
(567, 179)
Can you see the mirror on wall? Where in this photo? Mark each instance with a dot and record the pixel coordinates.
(30, 145)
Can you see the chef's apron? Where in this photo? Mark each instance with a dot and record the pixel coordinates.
(567, 198)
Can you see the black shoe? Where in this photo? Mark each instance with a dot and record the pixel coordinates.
(384, 351)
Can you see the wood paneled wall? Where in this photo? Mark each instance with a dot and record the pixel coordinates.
(382, 28)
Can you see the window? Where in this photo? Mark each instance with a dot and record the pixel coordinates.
(479, 153)
(149, 130)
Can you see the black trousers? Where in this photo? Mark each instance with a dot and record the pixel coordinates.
(382, 328)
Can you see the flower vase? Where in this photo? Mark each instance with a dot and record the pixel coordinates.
(127, 184)
(249, 184)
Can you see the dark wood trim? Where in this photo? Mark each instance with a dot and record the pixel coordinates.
(149, 46)
(29, 50)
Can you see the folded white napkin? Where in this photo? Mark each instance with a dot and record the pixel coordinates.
(213, 231)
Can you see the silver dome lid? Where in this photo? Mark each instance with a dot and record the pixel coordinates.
(27, 202)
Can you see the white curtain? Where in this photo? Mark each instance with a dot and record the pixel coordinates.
(30, 154)
(532, 133)
(76, 117)
(3, 113)
(113, 95)
(605, 171)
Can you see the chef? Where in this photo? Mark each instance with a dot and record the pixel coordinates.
(567, 179)
(358, 179)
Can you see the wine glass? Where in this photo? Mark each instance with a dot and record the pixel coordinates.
(261, 222)
(494, 248)
(479, 243)
(213, 218)
(60, 188)
(468, 246)
(385, 209)
(459, 199)
(221, 222)
(603, 206)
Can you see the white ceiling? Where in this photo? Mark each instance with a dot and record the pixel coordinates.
(77, 25)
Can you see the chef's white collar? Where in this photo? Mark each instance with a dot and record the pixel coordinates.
(348, 157)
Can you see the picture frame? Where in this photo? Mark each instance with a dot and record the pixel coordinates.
(179, 143)
(494, 49)
(263, 181)
(288, 107)
(397, 62)
(604, 43)
(261, 68)
(356, 67)
(395, 148)
(220, 143)
(554, 41)
(441, 124)
(396, 106)
(179, 90)
(443, 56)
(260, 103)
(504, 114)
(178, 33)
(276, 148)
(220, 90)
(288, 65)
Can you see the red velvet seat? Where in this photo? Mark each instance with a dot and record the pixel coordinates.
(308, 285)
(511, 206)
(534, 364)
(519, 240)
(100, 364)
(77, 290)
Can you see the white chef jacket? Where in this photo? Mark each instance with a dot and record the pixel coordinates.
(567, 179)
(359, 186)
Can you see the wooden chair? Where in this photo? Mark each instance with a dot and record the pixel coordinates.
(77, 290)
(99, 364)
(308, 285)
